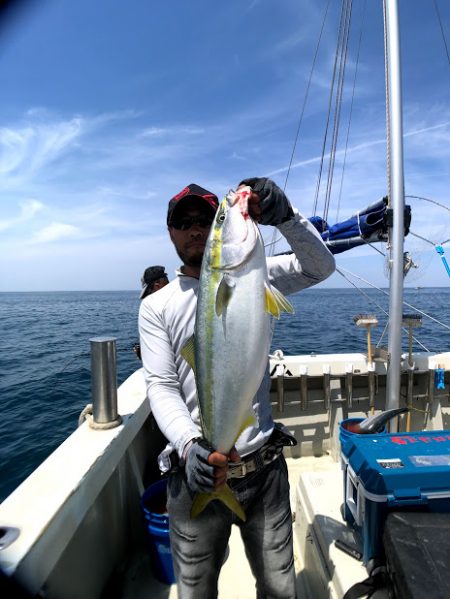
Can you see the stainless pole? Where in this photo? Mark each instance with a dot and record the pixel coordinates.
(396, 202)
(104, 379)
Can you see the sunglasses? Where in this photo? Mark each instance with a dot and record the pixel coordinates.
(185, 223)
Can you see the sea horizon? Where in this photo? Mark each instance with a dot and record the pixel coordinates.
(309, 289)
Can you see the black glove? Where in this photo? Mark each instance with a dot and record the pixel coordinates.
(275, 206)
(199, 474)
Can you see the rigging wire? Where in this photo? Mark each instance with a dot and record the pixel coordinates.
(422, 238)
(429, 200)
(338, 102)
(437, 204)
(330, 101)
(305, 99)
(351, 110)
(445, 326)
(372, 301)
(442, 29)
(388, 108)
(306, 95)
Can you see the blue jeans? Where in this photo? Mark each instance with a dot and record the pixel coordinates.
(199, 544)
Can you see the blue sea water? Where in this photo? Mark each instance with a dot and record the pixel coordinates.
(45, 379)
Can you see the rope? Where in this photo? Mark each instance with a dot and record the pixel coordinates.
(87, 414)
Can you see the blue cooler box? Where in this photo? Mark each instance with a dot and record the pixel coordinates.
(393, 472)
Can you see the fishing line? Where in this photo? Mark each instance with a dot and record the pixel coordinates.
(273, 243)
(84, 354)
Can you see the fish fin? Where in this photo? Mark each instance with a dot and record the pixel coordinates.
(223, 295)
(224, 494)
(275, 302)
(188, 352)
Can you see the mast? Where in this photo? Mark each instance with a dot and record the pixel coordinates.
(396, 201)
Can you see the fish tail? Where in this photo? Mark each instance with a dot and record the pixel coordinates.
(225, 494)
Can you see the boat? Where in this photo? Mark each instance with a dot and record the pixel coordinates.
(74, 528)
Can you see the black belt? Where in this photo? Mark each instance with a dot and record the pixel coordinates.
(255, 461)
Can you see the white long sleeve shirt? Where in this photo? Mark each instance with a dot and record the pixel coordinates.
(166, 322)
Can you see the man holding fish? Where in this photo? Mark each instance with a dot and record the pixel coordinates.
(205, 340)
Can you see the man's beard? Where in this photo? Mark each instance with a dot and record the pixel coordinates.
(190, 259)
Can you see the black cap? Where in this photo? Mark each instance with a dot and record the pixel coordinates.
(151, 274)
(192, 191)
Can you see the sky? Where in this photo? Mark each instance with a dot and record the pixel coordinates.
(109, 108)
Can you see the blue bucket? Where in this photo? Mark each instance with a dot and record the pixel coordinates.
(153, 506)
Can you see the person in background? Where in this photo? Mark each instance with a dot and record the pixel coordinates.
(154, 278)
(260, 481)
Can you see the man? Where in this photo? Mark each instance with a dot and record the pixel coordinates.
(166, 322)
(154, 278)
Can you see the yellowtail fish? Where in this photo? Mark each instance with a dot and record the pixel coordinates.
(232, 335)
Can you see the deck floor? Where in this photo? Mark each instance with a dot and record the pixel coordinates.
(140, 579)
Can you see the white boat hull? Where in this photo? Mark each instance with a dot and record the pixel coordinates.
(78, 516)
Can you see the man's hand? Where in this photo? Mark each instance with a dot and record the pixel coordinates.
(220, 463)
(206, 469)
(268, 203)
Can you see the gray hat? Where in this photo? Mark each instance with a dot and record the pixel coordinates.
(151, 274)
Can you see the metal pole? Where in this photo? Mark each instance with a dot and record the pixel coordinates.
(397, 203)
(104, 379)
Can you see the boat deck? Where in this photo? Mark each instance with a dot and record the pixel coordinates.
(322, 569)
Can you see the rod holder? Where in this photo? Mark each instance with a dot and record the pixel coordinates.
(349, 384)
(371, 382)
(279, 372)
(327, 386)
(104, 380)
(304, 387)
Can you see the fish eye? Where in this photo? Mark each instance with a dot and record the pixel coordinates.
(220, 217)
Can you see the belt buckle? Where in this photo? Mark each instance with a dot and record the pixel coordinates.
(243, 467)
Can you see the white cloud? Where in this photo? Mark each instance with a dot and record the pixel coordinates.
(28, 208)
(56, 232)
(28, 149)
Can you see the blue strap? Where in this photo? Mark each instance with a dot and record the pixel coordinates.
(440, 251)
(439, 378)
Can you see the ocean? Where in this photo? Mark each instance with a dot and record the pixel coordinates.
(45, 379)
